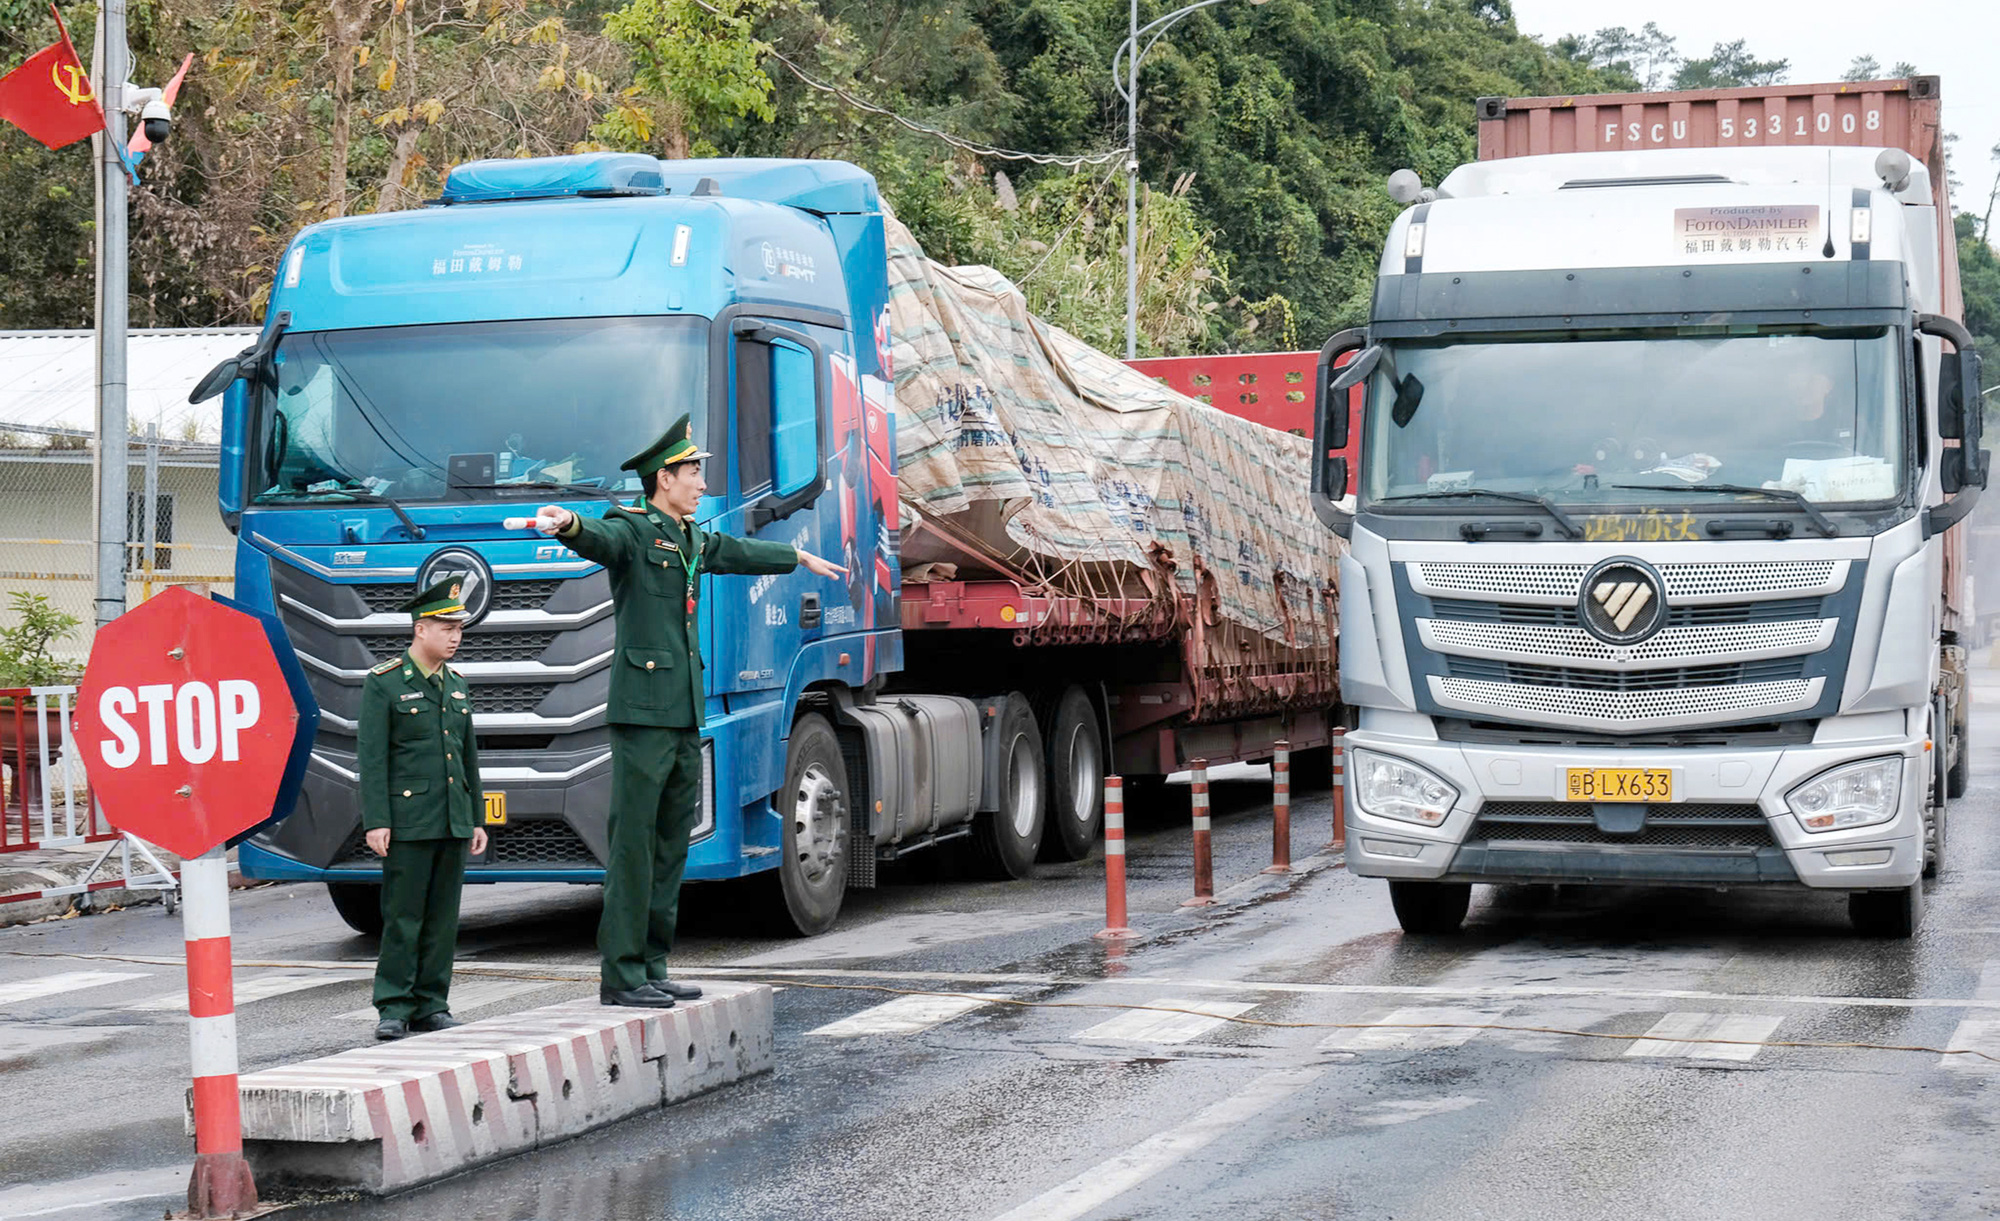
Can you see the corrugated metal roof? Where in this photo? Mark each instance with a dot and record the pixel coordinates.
(48, 379)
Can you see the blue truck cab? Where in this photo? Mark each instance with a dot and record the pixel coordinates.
(425, 375)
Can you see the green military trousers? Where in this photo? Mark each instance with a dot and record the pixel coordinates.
(421, 880)
(655, 803)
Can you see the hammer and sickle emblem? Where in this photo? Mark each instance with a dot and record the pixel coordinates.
(77, 87)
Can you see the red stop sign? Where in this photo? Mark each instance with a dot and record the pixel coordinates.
(185, 722)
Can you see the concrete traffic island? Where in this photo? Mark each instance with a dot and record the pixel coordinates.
(391, 1116)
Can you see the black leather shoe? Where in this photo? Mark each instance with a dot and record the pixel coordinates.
(434, 1022)
(641, 997)
(680, 992)
(392, 1028)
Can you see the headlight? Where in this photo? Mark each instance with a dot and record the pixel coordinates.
(1856, 795)
(1391, 788)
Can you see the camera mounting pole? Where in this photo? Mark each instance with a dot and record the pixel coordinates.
(110, 67)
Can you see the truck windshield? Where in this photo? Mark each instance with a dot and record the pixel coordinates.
(413, 412)
(1572, 417)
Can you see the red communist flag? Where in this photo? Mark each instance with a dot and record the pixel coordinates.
(50, 97)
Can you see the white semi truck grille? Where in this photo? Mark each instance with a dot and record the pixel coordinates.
(1687, 584)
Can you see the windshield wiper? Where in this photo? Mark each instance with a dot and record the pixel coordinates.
(1820, 521)
(1569, 526)
(584, 489)
(365, 497)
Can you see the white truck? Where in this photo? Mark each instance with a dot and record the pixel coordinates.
(1649, 460)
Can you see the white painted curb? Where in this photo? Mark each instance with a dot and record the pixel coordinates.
(390, 1116)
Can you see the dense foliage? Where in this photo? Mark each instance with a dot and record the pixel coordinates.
(1265, 131)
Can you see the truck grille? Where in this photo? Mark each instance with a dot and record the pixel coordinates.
(1637, 709)
(1666, 826)
(537, 843)
(1685, 582)
(1672, 679)
(509, 697)
(1781, 610)
(385, 597)
(477, 646)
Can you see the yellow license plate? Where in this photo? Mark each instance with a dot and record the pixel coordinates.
(1620, 784)
(496, 809)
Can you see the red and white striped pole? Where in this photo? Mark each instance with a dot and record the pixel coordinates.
(1204, 866)
(222, 1185)
(1339, 790)
(1114, 861)
(1281, 809)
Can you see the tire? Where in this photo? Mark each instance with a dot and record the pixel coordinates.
(1430, 907)
(803, 894)
(360, 904)
(1008, 838)
(1075, 753)
(1892, 914)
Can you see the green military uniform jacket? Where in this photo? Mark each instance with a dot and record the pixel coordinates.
(419, 763)
(656, 565)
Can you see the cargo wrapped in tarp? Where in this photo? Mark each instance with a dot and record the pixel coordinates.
(1024, 453)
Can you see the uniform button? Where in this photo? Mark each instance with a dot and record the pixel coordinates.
(406, 792)
(649, 665)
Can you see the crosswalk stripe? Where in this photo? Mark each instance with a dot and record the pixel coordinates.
(1973, 1034)
(255, 988)
(467, 995)
(1669, 1036)
(906, 1015)
(1989, 982)
(1450, 1029)
(55, 985)
(1149, 1025)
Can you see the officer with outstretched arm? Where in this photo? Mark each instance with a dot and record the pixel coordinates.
(656, 556)
(420, 805)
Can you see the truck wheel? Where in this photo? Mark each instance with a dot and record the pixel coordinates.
(360, 904)
(1887, 913)
(1009, 837)
(1075, 754)
(806, 888)
(1430, 907)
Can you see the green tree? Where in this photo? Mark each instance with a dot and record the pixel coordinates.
(1729, 65)
(695, 66)
(1864, 68)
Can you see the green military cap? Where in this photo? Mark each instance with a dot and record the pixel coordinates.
(443, 601)
(675, 445)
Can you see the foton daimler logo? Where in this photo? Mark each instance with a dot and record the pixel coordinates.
(1623, 601)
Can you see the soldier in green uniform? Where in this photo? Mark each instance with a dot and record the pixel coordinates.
(420, 804)
(655, 556)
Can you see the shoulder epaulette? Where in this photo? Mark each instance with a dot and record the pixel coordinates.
(639, 509)
(387, 666)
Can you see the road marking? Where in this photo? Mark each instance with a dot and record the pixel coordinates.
(55, 985)
(1385, 1035)
(256, 988)
(97, 1192)
(468, 994)
(916, 931)
(1989, 982)
(1392, 1113)
(1153, 1026)
(1667, 1036)
(1973, 1034)
(906, 1015)
(1114, 1177)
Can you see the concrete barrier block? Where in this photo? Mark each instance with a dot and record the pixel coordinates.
(390, 1116)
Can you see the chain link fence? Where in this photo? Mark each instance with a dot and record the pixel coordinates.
(48, 504)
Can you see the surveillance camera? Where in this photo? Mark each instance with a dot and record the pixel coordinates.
(158, 120)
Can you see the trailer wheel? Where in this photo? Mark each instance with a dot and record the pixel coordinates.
(1009, 837)
(1075, 754)
(360, 904)
(1887, 913)
(1429, 907)
(804, 892)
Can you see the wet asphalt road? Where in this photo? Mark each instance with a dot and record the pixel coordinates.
(1079, 1105)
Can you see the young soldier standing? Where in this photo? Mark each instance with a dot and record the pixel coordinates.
(420, 803)
(655, 556)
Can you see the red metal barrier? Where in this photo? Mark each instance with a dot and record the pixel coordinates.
(33, 731)
(1204, 864)
(1281, 809)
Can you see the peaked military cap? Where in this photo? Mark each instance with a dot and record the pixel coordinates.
(675, 445)
(442, 601)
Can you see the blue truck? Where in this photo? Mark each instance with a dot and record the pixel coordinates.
(423, 376)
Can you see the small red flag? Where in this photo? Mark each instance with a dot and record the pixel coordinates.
(50, 97)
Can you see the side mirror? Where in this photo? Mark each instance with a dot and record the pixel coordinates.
(245, 364)
(1330, 468)
(1961, 405)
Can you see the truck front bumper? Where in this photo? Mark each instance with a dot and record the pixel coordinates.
(1753, 781)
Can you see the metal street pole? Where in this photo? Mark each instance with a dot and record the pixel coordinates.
(1132, 194)
(113, 453)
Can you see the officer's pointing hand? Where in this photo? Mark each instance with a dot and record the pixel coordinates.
(825, 568)
(551, 518)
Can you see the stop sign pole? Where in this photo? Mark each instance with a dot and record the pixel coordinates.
(188, 726)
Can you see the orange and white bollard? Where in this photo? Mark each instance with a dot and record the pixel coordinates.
(1339, 790)
(1281, 809)
(1204, 865)
(1114, 861)
(221, 1185)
